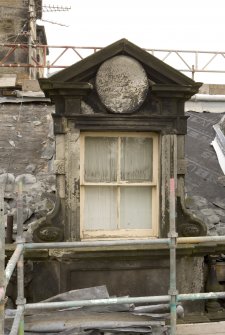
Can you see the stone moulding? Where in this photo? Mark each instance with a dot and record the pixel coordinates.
(190, 225)
(59, 166)
(51, 229)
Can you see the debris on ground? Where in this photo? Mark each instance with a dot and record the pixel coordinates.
(94, 320)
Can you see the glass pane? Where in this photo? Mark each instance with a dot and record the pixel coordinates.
(100, 161)
(100, 208)
(136, 159)
(136, 207)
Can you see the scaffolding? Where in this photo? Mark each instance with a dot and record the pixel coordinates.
(16, 259)
(187, 61)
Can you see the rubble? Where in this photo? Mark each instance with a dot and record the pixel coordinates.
(94, 320)
(38, 197)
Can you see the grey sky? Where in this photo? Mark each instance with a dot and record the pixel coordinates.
(174, 24)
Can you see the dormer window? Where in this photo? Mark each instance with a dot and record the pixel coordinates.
(119, 185)
(120, 127)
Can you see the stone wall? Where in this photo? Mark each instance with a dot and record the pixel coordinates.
(27, 148)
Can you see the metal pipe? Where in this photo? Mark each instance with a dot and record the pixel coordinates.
(21, 301)
(62, 245)
(2, 260)
(9, 229)
(123, 300)
(97, 302)
(12, 262)
(16, 321)
(200, 296)
(162, 241)
(200, 239)
(173, 235)
(208, 97)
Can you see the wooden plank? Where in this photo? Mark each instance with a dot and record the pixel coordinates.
(202, 328)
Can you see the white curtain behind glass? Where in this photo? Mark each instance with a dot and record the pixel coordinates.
(100, 159)
(123, 207)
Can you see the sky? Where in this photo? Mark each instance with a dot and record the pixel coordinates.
(157, 24)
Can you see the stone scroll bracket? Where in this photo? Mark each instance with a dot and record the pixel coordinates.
(51, 229)
(188, 224)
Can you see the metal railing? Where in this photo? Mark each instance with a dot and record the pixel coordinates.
(171, 242)
(188, 61)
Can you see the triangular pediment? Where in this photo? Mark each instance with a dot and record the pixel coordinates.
(157, 71)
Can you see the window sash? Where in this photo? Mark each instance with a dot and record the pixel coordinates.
(115, 229)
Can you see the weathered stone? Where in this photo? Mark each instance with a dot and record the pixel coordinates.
(86, 109)
(212, 219)
(212, 232)
(122, 84)
(219, 203)
(221, 180)
(26, 179)
(8, 180)
(220, 213)
(6, 207)
(207, 211)
(36, 123)
(48, 151)
(30, 168)
(27, 212)
(196, 202)
(221, 230)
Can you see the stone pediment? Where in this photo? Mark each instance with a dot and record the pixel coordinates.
(157, 71)
(121, 87)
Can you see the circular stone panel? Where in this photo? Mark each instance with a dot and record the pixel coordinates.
(122, 84)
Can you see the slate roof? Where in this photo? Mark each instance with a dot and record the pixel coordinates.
(205, 181)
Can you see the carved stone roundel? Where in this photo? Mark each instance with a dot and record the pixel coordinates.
(122, 84)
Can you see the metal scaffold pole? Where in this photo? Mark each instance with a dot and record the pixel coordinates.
(20, 267)
(2, 260)
(173, 237)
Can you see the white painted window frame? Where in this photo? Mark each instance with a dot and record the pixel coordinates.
(154, 184)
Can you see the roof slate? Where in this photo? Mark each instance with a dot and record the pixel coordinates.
(205, 181)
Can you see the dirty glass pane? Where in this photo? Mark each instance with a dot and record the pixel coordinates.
(136, 207)
(100, 161)
(100, 208)
(136, 159)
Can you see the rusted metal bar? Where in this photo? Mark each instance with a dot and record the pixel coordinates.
(190, 69)
(34, 66)
(60, 55)
(7, 55)
(10, 45)
(9, 229)
(78, 54)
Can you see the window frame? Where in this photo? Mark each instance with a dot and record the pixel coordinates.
(154, 184)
